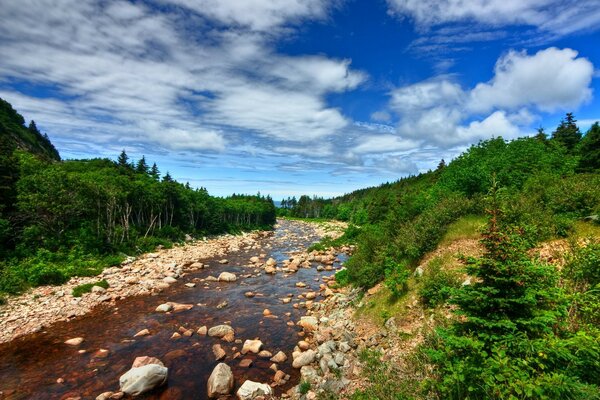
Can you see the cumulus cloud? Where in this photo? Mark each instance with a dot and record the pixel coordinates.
(549, 80)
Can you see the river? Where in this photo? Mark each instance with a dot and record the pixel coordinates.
(30, 366)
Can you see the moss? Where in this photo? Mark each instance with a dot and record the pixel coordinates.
(78, 291)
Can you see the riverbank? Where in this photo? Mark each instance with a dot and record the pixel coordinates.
(39, 308)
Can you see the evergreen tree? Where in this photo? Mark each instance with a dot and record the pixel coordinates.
(590, 150)
(541, 135)
(154, 172)
(34, 129)
(142, 166)
(123, 160)
(167, 177)
(567, 133)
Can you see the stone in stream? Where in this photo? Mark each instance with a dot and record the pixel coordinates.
(143, 379)
(145, 360)
(169, 279)
(252, 346)
(74, 342)
(254, 260)
(265, 354)
(270, 270)
(223, 261)
(300, 284)
(266, 312)
(227, 277)
(143, 332)
(166, 307)
(308, 323)
(218, 352)
(220, 381)
(245, 363)
(202, 331)
(220, 331)
(249, 294)
(251, 390)
(279, 357)
(190, 284)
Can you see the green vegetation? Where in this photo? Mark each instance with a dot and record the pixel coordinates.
(73, 218)
(438, 282)
(304, 387)
(78, 291)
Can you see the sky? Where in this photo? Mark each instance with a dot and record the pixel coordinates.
(291, 97)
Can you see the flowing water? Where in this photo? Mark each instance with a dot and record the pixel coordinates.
(30, 366)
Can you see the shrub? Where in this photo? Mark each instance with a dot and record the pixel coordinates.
(396, 277)
(78, 291)
(437, 283)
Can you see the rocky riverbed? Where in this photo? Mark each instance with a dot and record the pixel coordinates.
(230, 307)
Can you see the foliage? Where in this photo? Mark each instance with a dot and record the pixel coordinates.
(590, 150)
(438, 283)
(80, 211)
(511, 341)
(567, 133)
(396, 277)
(78, 291)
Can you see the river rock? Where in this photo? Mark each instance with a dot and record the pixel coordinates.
(279, 357)
(74, 342)
(145, 360)
(218, 352)
(223, 261)
(252, 346)
(270, 270)
(220, 381)
(227, 277)
(304, 358)
(169, 280)
(143, 332)
(309, 324)
(202, 331)
(271, 262)
(143, 379)
(254, 260)
(251, 390)
(166, 307)
(245, 363)
(220, 331)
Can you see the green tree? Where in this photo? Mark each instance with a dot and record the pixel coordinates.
(123, 160)
(567, 133)
(590, 150)
(154, 172)
(142, 166)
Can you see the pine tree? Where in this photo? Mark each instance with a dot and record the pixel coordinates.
(541, 135)
(154, 172)
(142, 166)
(34, 129)
(123, 160)
(167, 177)
(567, 133)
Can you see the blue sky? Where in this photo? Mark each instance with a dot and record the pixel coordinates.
(288, 97)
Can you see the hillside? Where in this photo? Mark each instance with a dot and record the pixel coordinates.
(14, 134)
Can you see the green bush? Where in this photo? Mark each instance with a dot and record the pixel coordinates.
(396, 277)
(78, 291)
(341, 277)
(437, 283)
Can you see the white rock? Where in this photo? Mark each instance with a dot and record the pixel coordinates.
(220, 381)
(250, 390)
(304, 359)
(140, 380)
(166, 307)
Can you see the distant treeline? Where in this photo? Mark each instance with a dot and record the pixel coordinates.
(53, 212)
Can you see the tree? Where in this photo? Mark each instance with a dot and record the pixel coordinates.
(123, 160)
(567, 133)
(590, 150)
(33, 128)
(142, 167)
(541, 135)
(154, 172)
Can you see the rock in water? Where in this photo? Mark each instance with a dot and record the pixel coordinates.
(250, 390)
(227, 277)
(140, 380)
(220, 381)
(252, 346)
(304, 358)
(220, 331)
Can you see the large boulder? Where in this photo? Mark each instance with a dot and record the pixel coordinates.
(220, 381)
(251, 390)
(227, 277)
(143, 379)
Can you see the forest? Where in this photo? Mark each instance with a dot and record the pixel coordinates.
(75, 217)
(522, 328)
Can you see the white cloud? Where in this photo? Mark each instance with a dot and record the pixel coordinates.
(113, 64)
(557, 16)
(259, 15)
(381, 116)
(384, 144)
(549, 80)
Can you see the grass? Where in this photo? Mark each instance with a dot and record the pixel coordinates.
(78, 291)
(584, 229)
(384, 304)
(468, 227)
(304, 387)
